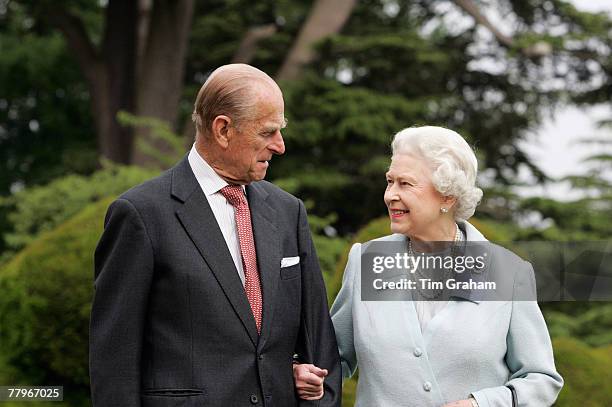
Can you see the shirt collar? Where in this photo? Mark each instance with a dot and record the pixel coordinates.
(209, 180)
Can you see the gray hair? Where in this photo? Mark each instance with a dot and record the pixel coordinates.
(230, 90)
(453, 163)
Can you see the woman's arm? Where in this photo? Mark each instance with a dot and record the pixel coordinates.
(342, 312)
(309, 378)
(529, 356)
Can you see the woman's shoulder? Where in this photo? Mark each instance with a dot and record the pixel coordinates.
(509, 261)
(396, 237)
(512, 272)
(357, 247)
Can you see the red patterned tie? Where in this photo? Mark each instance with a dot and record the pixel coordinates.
(235, 196)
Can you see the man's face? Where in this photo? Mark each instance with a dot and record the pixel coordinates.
(252, 145)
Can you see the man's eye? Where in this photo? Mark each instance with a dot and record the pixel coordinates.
(389, 181)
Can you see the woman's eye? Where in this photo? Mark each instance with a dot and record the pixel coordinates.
(389, 182)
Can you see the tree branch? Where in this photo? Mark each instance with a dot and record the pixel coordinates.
(76, 36)
(326, 18)
(472, 9)
(246, 50)
(539, 49)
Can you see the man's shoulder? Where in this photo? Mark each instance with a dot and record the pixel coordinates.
(149, 191)
(274, 191)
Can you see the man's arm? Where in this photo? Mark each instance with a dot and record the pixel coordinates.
(307, 381)
(317, 339)
(123, 272)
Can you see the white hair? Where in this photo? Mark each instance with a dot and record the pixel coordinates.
(453, 163)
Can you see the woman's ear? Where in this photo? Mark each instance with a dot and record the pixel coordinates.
(221, 127)
(448, 201)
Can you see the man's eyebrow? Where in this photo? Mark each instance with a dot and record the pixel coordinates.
(273, 126)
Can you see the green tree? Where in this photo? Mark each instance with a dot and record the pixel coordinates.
(45, 123)
(398, 64)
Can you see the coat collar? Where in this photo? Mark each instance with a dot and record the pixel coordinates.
(198, 220)
(476, 243)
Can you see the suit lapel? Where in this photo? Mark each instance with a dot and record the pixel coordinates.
(197, 218)
(267, 245)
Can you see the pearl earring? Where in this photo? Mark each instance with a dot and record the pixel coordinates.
(444, 210)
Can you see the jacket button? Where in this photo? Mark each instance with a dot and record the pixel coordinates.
(254, 399)
(260, 357)
(417, 352)
(427, 386)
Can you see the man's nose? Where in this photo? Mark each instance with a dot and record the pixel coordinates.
(277, 146)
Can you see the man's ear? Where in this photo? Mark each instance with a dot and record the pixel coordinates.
(220, 130)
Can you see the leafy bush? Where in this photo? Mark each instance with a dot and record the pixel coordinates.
(44, 310)
(329, 246)
(42, 208)
(586, 372)
(593, 325)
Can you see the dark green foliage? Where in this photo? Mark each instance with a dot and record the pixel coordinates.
(586, 372)
(44, 309)
(587, 218)
(161, 132)
(392, 54)
(588, 322)
(385, 72)
(46, 128)
(339, 140)
(349, 391)
(42, 208)
(328, 245)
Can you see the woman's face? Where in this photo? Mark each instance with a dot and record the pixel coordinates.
(412, 201)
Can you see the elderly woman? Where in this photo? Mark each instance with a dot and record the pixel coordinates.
(457, 352)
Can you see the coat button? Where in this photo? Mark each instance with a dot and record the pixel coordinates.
(417, 352)
(260, 357)
(254, 399)
(427, 386)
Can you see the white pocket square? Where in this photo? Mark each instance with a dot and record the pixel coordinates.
(290, 261)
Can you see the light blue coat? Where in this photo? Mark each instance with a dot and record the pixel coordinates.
(469, 347)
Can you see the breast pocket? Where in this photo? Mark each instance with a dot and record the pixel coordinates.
(289, 273)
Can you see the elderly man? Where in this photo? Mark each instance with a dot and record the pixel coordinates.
(206, 279)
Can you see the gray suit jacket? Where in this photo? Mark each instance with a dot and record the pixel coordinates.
(171, 324)
(469, 347)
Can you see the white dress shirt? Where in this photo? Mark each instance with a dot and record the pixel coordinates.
(211, 184)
